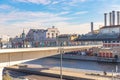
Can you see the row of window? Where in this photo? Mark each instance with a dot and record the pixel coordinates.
(53, 34)
(111, 41)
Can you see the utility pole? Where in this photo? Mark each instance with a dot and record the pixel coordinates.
(61, 63)
(112, 75)
(61, 60)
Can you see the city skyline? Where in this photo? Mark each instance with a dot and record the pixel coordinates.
(73, 16)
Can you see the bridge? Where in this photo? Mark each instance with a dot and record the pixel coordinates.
(10, 57)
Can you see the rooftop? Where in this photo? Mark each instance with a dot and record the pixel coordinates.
(112, 26)
(98, 37)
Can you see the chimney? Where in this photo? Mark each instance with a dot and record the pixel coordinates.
(113, 17)
(53, 26)
(118, 18)
(92, 27)
(110, 18)
(105, 19)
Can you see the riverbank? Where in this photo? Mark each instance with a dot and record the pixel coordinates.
(55, 71)
(87, 58)
(76, 57)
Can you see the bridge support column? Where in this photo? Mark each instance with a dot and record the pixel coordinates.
(1, 73)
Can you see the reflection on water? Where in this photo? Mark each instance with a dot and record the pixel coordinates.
(76, 64)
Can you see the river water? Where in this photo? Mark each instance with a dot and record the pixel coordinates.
(76, 65)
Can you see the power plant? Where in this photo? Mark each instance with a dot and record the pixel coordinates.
(114, 18)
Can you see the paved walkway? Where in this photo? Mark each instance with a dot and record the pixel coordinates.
(54, 70)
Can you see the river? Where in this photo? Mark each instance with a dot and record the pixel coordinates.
(76, 65)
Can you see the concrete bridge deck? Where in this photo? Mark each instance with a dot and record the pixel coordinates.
(10, 57)
(13, 56)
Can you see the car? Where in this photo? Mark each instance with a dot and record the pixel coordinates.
(4, 46)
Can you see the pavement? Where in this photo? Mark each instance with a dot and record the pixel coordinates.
(55, 70)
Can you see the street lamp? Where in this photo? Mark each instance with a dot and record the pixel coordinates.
(8, 41)
(61, 51)
(112, 75)
(1, 43)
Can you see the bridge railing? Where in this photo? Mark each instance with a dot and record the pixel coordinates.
(37, 46)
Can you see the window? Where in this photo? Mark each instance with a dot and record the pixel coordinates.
(105, 41)
(52, 34)
(56, 34)
(117, 41)
(109, 41)
(113, 41)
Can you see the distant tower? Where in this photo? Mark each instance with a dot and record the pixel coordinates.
(92, 28)
(23, 38)
(53, 26)
(105, 19)
(118, 18)
(113, 17)
(110, 18)
(23, 34)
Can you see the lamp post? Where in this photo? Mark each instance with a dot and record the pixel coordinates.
(8, 41)
(116, 68)
(61, 60)
(61, 56)
(1, 43)
(61, 51)
(112, 75)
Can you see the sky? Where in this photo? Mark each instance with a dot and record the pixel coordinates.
(69, 16)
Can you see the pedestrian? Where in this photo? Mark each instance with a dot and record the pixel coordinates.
(105, 73)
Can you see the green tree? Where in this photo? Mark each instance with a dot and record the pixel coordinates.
(6, 77)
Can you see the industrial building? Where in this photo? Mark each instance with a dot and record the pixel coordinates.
(108, 36)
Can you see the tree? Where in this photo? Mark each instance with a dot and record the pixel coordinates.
(6, 76)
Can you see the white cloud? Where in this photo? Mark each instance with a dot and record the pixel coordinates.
(5, 7)
(55, 2)
(30, 16)
(74, 2)
(64, 27)
(115, 7)
(81, 12)
(68, 28)
(44, 2)
(83, 0)
(63, 13)
(12, 24)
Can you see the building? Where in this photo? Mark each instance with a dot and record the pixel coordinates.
(19, 41)
(73, 37)
(108, 36)
(42, 37)
(4, 41)
(67, 39)
(36, 35)
(52, 32)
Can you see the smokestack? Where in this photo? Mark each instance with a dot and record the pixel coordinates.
(118, 18)
(92, 27)
(113, 17)
(110, 14)
(105, 19)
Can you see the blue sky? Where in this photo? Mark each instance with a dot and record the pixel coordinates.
(69, 16)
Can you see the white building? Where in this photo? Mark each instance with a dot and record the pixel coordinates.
(4, 38)
(42, 37)
(110, 29)
(41, 34)
(52, 32)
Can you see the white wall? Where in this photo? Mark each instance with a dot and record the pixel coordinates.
(110, 30)
(51, 31)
